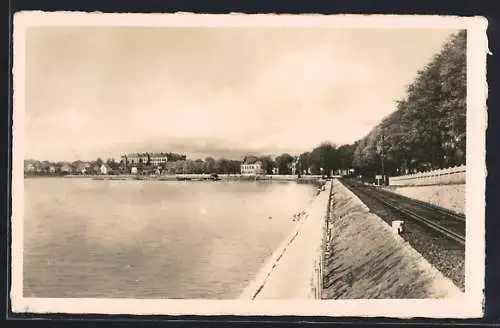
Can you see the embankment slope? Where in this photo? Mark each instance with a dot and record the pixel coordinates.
(364, 258)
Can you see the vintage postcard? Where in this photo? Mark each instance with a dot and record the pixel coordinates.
(249, 164)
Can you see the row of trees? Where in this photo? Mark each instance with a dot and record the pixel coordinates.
(208, 166)
(426, 131)
(428, 128)
(325, 158)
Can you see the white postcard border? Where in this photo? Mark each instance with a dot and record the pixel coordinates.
(470, 305)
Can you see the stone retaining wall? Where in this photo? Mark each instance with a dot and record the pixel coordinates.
(451, 197)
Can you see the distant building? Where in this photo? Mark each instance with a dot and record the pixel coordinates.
(66, 168)
(276, 170)
(29, 168)
(134, 159)
(105, 169)
(251, 166)
(52, 169)
(145, 158)
(82, 168)
(158, 158)
(133, 170)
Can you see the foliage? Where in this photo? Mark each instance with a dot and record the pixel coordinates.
(267, 163)
(428, 128)
(284, 163)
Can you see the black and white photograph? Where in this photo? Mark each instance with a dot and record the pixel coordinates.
(248, 164)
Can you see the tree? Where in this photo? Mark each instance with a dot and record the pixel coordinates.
(234, 167)
(345, 155)
(284, 163)
(324, 159)
(267, 163)
(112, 164)
(209, 165)
(175, 157)
(428, 128)
(198, 166)
(99, 161)
(304, 162)
(222, 166)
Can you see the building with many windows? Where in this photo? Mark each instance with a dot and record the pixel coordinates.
(251, 166)
(158, 158)
(134, 159)
(154, 159)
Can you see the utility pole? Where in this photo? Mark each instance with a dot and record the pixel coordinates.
(382, 155)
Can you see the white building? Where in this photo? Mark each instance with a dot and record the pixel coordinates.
(251, 166)
(104, 169)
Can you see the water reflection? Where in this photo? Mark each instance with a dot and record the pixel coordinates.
(152, 239)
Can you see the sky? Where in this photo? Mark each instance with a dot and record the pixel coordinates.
(221, 92)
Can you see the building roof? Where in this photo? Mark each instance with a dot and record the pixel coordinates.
(153, 154)
(250, 160)
(82, 166)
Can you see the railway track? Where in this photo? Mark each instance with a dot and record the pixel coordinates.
(441, 221)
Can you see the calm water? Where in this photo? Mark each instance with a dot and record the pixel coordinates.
(152, 239)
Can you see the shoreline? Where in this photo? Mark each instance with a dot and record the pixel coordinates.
(191, 178)
(278, 277)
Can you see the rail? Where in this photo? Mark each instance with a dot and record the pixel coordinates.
(458, 216)
(396, 202)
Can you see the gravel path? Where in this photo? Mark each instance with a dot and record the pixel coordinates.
(444, 255)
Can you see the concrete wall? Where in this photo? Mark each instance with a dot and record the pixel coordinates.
(451, 175)
(291, 271)
(451, 197)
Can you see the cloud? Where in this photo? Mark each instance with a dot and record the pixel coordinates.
(107, 91)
